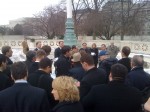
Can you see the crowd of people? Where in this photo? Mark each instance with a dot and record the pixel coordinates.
(87, 80)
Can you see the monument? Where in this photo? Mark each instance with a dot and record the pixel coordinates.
(70, 37)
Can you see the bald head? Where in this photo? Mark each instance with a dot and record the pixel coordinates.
(137, 61)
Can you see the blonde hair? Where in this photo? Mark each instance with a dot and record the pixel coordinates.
(67, 89)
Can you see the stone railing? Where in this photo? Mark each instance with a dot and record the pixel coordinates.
(18, 43)
(136, 46)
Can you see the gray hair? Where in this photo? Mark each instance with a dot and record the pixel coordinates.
(5, 49)
(137, 60)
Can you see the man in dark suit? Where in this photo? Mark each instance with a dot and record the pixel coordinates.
(77, 72)
(5, 82)
(85, 48)
(137, 77)
(38, 46)
(22, 97)
(57, 51)
(41, 78)
(114, 96)
(40, 54)
(63, 63)
(47, 49)
(126, 61)
(7, 51)
(93, 75)
(30, 58)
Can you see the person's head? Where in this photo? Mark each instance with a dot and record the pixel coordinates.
(47, 49)
(125, 51)
(30, 56)
(74, 48)
(19, 71)
(46, 65)
(7, 51)
(87, 62)
(94, 45)
(61, 44)
(40, 54)
(103, 47)
(66, 51)
(38, 44)
(137, 61)
(84, 45)
(76, 57)
(65, 89)
(82, 52)
(2, 62)
(103, 55)
(118, 72)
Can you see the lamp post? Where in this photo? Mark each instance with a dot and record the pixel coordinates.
(70, 38)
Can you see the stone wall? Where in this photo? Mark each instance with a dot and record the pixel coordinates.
(136, 46)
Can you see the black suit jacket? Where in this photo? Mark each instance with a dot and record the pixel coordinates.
(45, 82)
(33, 78)
(33, 67)
(36, 49)
(62, 65)
(92, 77)
(57, 52)
(28, 64)
(126, 62)
(68, 107)
(113, 97)
(77, 72)
(138, 78)
(5, 82)
(9, 62)
(22, 97)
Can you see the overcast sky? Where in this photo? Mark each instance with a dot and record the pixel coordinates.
(14, 9)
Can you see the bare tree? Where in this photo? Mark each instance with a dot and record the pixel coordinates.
(50, 22)
(110, 18)
(102, 18)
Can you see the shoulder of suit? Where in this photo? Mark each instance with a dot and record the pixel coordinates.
(37, 89)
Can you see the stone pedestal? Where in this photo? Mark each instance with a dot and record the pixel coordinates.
(70, 37)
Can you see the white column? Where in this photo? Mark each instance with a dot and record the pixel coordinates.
(69, 9)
